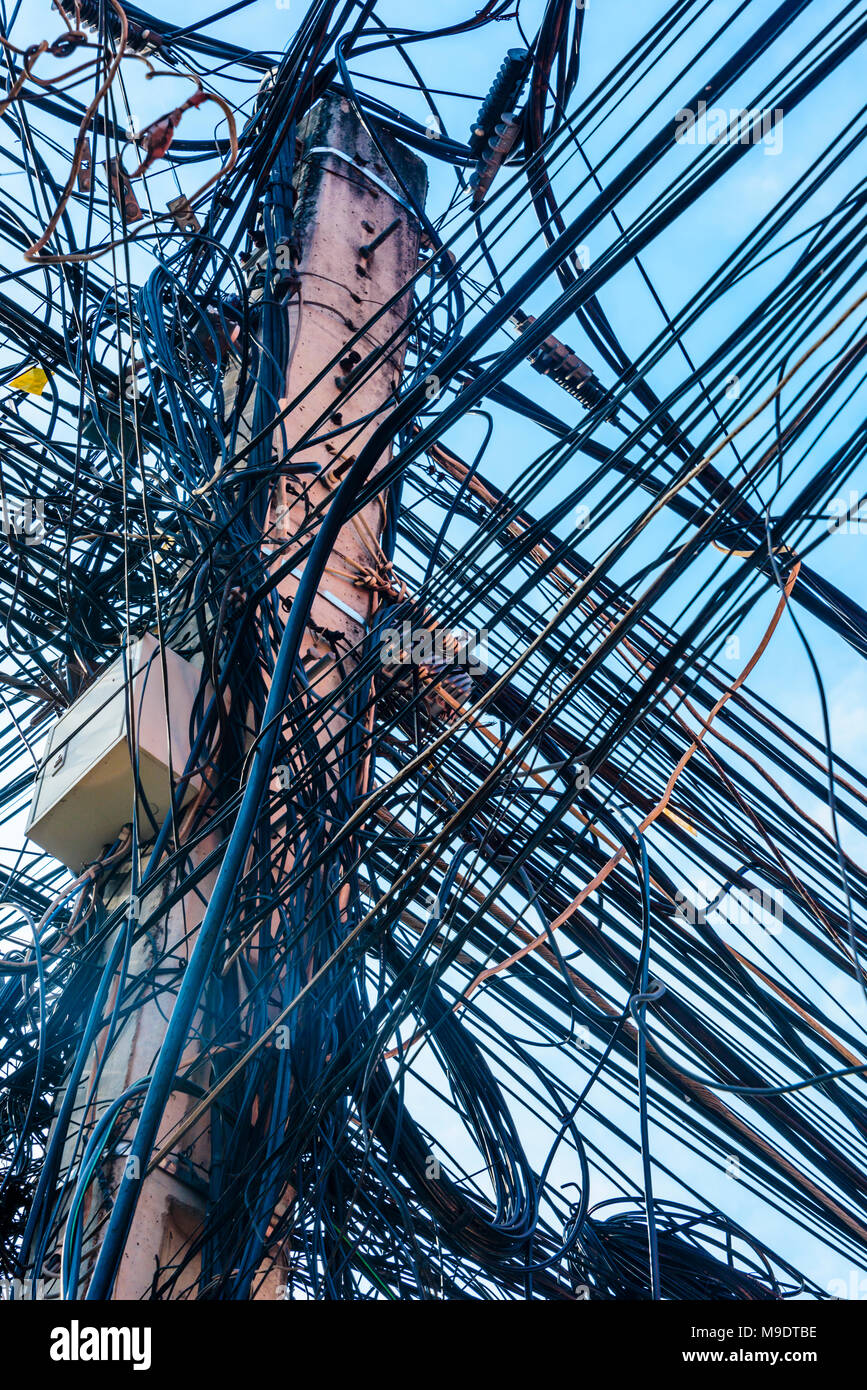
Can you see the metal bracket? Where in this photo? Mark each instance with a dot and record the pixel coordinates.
(183, 215)
(85, 169)
(123, 194)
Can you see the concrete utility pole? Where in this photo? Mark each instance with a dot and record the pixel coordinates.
(359, 247)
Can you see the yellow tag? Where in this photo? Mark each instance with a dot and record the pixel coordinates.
(679, 820)
(34, 381)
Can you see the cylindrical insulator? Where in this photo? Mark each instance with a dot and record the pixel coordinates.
(502, 97)
(445, 686)
(498, 149)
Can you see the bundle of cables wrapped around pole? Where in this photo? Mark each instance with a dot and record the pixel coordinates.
(531, 924)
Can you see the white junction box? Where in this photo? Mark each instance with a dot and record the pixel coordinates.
(85, 786)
